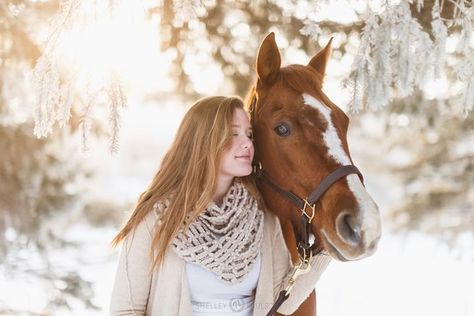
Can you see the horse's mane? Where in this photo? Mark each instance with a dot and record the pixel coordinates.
(300, 78)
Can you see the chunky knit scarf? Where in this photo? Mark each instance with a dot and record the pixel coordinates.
(227, 239)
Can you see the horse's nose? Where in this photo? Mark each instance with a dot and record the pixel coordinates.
(349, 229)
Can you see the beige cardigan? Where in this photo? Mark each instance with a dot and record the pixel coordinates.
(165, 291)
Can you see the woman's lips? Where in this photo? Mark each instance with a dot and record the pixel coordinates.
(246, 158)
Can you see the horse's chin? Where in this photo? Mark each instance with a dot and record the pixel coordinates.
(328, 247)
(332, 249)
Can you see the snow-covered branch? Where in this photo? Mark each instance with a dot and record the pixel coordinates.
(398, 54)
(56, 84)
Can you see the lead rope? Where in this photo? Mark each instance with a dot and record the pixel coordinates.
(305, 256)
(297, 271)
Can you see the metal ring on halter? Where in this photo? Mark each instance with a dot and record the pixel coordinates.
(257, 168)
(303, 210)
(305, 258)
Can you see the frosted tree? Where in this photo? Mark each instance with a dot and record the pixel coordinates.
(40, 179)
(402, 48)
(396, 51)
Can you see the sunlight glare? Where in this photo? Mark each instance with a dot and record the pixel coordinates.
(123, 43)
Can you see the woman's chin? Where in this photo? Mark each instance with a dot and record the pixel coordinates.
(245, 172)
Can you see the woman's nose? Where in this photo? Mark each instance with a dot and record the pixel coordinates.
(247, 143)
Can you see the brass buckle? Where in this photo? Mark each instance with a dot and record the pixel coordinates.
(306, 203)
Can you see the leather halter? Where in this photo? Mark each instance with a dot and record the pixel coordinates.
(305, 250)
(309, 203)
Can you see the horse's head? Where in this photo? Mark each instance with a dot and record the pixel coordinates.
(301, 138)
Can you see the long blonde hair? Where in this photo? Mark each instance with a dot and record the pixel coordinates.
(188, 173)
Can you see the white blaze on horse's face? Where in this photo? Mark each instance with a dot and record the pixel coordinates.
(369, 217)
(331, 139)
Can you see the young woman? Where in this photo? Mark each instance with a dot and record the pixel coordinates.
(199, 241)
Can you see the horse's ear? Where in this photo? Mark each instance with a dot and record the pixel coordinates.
(320, 60)
(268, 59)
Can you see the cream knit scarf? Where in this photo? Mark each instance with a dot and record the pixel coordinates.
(225, 240)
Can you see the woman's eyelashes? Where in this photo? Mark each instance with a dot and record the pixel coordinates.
(248, 134)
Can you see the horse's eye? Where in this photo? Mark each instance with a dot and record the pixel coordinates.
(282, 129)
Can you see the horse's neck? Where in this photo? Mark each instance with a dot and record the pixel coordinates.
(290, 239)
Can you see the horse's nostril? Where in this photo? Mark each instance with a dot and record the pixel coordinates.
(348, 228)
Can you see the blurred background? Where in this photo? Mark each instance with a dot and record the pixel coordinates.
(92, 92)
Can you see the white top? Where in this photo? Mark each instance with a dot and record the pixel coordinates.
(212, 296)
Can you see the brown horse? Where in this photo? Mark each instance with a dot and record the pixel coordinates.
(300, 138)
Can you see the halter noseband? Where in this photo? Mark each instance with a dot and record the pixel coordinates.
(305, 249)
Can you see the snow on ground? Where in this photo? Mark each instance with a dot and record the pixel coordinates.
(412, 275)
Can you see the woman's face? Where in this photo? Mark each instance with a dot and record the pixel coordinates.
(237, 158)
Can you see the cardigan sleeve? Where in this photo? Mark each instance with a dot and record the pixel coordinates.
(133, 277)
(304, 285)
